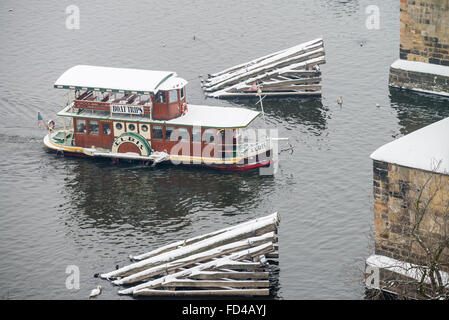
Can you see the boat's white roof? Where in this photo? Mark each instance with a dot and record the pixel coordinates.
(215, 117)
(114, 79)
(421, 149)
(172, 83)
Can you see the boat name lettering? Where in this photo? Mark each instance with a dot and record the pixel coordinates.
(118, 142)
(258, 147)
(120, 108)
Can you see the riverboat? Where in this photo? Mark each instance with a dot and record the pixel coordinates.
(143, 115)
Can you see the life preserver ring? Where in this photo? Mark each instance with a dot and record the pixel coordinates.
(184, 108)
(50, 125)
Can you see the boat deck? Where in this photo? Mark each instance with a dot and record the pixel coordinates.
(197, 115)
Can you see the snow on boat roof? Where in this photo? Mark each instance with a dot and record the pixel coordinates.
(124, 80)
(173, 83)
(421, 67)
(422, 149)
(215, 117)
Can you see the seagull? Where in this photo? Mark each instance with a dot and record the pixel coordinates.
(340, 100)
(95, 292)
(377, 105)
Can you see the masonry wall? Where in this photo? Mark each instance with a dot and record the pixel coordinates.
(396, 190)
(425, 31)
(418, 80)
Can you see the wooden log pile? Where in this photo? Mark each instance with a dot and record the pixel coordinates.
(230, 261)
(291, 72)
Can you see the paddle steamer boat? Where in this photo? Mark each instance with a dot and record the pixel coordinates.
(142, 115)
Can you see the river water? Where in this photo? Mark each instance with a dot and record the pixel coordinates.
(57, 212)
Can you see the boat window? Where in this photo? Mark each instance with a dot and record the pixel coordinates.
(118, 126)
(81, 126)
(173, 96)
(182, 93)
(106, 128)
(157, 132)
(209, 135)
(131, 127)
(160, 97)
(144, 128)
(169, 133)
(183, 134)
(196, 134)
(94, 127)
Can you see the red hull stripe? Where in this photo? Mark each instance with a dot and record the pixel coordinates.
(247, 167)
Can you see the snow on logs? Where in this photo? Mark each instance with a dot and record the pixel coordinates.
(230, 261)
(291, 72)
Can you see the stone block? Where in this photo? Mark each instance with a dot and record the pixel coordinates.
(395, 214)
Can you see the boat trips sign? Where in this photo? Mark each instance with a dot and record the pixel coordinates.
(129, 109)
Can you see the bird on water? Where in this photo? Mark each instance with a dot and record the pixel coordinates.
(95, 292)
(340, 100)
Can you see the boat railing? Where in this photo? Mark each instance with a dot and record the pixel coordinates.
(106, 106)
(92, 105)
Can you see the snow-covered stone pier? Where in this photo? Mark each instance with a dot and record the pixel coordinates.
(411, 214)
(424, 48)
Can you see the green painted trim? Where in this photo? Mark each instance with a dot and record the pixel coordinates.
(138, 137)
(149, 121)
(63, 113)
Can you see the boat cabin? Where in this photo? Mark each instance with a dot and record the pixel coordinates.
(132, 113)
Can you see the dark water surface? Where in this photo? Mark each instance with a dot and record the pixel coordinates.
(57, 212)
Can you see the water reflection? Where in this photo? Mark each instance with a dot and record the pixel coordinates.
(416, 110)
(103, 195)
(291, 112)
(341, 8)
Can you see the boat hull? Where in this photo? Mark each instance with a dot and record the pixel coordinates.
(248, 163)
